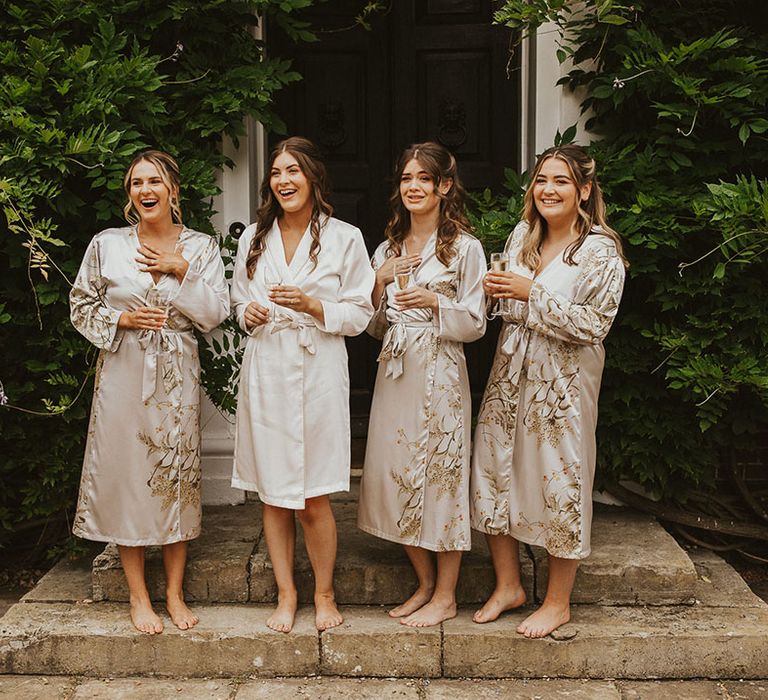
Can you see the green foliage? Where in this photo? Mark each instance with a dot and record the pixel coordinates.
(677, 93)
(85, 85)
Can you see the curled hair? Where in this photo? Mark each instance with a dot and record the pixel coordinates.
(168, 169)
(439, 162)
(591, 212)
(308, 157)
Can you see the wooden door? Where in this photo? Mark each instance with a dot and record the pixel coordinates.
(428, 70)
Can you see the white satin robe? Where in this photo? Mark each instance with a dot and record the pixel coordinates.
(141, 473)
(415, 485)
(533, 462)
(292, 439)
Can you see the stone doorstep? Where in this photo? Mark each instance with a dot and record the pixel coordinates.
(97, 640)
(634, 561)
(66, 688)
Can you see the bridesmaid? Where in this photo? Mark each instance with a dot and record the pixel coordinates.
(301, 283)
(534, 455)
(416, 475)
(138, 296)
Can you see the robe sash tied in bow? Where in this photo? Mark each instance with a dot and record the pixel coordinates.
(165, 344)
(515, 347)
(394, 344)
(305, 329)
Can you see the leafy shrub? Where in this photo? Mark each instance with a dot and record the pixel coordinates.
(85, 85)
(677, 94)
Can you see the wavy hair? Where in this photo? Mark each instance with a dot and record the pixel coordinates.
(308, 157)
(439, 162)
(591, 212)
(169, 173)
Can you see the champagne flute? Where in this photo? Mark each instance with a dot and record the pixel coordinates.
(154, 300)
(403, 276)
(500, 263)
(272, 279)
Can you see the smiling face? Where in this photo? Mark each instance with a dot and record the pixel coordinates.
(149, 194)
(290, 185)
(418, 191)
(555, 192)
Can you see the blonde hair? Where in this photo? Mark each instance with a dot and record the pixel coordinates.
(168, 169)
(440, 163)
(310, 161)
(591, 211)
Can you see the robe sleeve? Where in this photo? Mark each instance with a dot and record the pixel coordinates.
(239, 295)
(587, 318)
(463, 319)
(89, 311)
(351, 312)
(378, 324)
(203, 296)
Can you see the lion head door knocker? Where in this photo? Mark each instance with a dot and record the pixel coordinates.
(332, 133)
(452, 123)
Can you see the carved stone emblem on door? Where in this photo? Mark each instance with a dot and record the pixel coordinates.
(451, 123)
(332, 131)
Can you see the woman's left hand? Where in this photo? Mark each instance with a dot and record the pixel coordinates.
(155, 260)
(294, 298)
(417, 298)
(507, 285)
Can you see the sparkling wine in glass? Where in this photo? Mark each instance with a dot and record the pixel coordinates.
(500, 263)
(403, 276)
(272, 279)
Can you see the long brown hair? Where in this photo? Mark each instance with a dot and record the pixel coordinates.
(308, 157)
(591, 213)
(168, 169)
(439, 162)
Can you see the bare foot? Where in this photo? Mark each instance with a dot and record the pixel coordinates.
(282, 619)
(419, 599)
(144, 618)
(547, 618)
(433, 613)
(327, 615)
(501, 600)
(181, 615)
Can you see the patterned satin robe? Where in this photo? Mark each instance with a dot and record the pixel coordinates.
(141, 472)
(533, 462)
(415, 482)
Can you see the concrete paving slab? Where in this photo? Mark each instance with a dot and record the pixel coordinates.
(330, 689)
(614, 642)
(372, 571)
(36, 688)
(153, 689)
(67, 582)
(370, 643)
(99, 640)
(634, 561)
(521, 690)
(718, 584)
(217, 564)
(693, 690)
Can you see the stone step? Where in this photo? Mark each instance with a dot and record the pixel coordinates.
(703, 640)
(47, 687)
(57, 629)
(634, 561)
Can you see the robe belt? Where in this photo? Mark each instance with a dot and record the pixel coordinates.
(394, 345)
(304, 327)
(156, 343)
(515, 347)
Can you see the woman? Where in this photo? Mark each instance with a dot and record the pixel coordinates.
(139, 293)
(416, 474)
(534, 455)
(301, 283)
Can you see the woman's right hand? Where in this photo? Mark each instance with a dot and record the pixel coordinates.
(145, 318)
(386, 273)
(255, 315)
